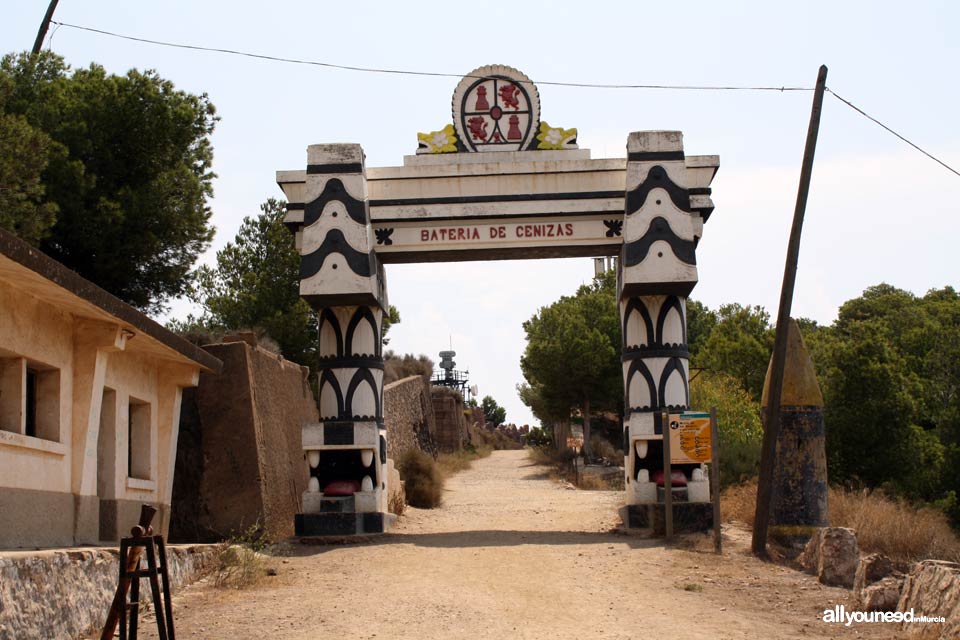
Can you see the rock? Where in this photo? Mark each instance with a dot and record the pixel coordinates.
(809, 558)
(877, 584)
(872, 568)
(833, 556)
(932, 589)
(882, 595)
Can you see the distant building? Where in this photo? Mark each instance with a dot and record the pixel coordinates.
(90, 392)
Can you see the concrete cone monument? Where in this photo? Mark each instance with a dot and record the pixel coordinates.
(799, 504)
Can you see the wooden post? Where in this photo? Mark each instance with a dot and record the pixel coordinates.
(667, 484)
(42, 33)
(772, 430)
(715, 478)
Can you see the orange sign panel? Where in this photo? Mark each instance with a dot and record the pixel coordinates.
(689, 438)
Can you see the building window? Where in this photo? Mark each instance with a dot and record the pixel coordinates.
(29, 398)
(138, 439)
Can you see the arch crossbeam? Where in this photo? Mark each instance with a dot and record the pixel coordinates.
(498, 184)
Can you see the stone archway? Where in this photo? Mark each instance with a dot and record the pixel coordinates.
(497, 183)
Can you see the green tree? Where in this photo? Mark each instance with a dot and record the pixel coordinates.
(571, 361)
(127, 170)
(700, 323)
(255, 285)
(890, 384)
(740, 344)
(738, 422)
(24, 155)
(493, 413)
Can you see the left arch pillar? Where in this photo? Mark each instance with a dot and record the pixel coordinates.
(342, 279)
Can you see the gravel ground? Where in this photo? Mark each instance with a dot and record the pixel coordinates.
(513, 554)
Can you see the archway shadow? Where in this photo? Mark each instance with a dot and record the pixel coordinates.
(487, 538)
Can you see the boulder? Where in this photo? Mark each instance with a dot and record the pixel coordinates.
(932, 588)
(877, 584)
(809, 558)
(882, 595)
(833, 556)
(872, 568)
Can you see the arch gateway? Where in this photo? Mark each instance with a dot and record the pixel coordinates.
(498, 182)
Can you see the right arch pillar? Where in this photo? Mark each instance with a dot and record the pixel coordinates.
(667, 201)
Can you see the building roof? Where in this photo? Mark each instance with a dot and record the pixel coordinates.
(27, 268)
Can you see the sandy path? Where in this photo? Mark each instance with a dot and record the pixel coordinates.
(512, 554)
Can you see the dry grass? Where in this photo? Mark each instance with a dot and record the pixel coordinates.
(423, 480)
(883, 525)
(238, 567)
(738, 502)
(240, 563)
(549, 456)
(894, 527)
(451, 463)
(397, 503)
(561, 469)
(597, 483)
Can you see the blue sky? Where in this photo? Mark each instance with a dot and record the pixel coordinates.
(878, 210)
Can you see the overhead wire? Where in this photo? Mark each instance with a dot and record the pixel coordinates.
(888, 129)
(436, 74)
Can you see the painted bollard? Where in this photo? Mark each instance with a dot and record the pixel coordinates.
(799, 504)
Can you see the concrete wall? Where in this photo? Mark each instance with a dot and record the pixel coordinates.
(241, 458)
(70, 483)
(61, 594)
(408, 416)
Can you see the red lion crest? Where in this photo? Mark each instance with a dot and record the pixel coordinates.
(509, 93)
(478, 128)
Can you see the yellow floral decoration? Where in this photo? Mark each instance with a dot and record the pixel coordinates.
(443, 141)
(555, 137)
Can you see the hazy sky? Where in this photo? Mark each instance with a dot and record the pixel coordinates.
(878, 211)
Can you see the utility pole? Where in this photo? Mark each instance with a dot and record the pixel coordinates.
(772, 430)
(42, 33)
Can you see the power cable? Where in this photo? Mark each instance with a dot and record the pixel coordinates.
(872, 119)
(435, 74)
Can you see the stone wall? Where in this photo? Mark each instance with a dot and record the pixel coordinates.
(451, 424)
(239, 459)
(64, 593)
(408, 416)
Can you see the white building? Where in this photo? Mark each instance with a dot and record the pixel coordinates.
(90, 393)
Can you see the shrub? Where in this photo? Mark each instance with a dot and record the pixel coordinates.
(538, 437)
(739, 461)
(399, 367)
(738, 421)
(603, 449)
(423, 482)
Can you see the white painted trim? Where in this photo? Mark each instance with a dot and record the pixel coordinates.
(17, 440)
(475, 210)
(139, 484)
(552, 155)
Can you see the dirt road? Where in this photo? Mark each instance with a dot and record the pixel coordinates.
(512, 554)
